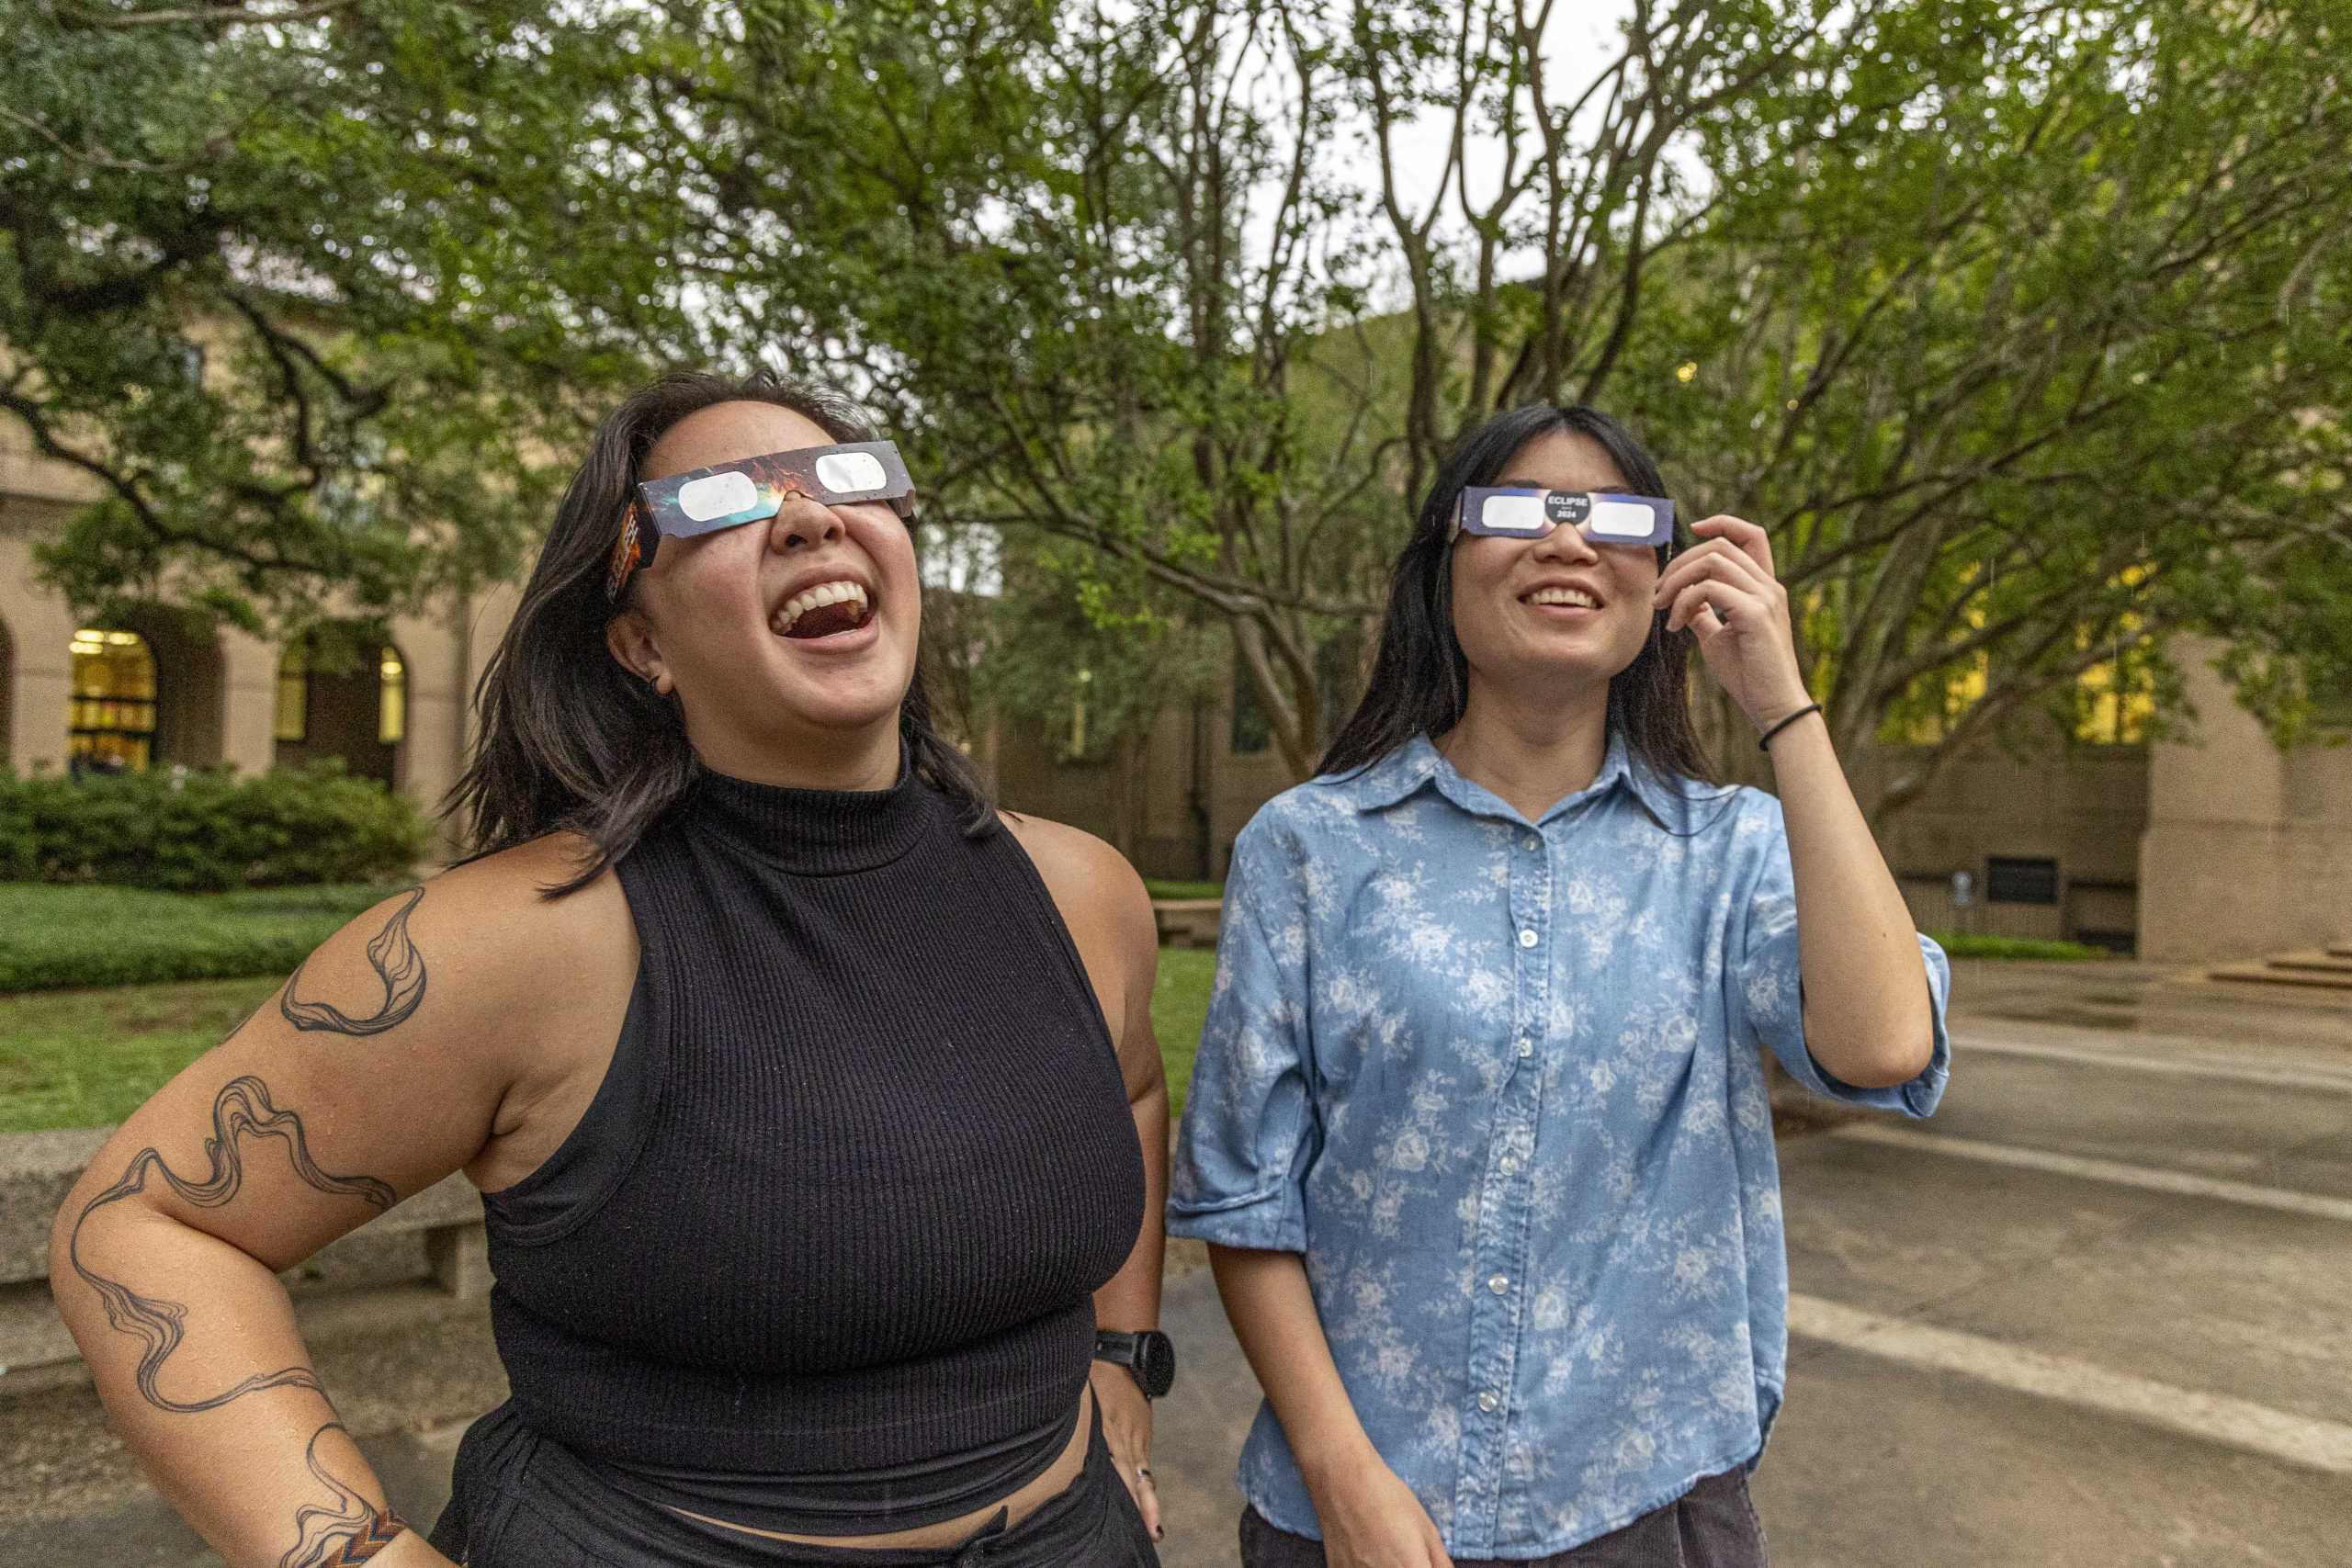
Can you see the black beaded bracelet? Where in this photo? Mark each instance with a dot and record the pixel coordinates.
(1767, 738)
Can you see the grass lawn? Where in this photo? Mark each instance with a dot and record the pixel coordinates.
(1179, 1005)
(1160, 888)
(85, 1058)
(53, 937)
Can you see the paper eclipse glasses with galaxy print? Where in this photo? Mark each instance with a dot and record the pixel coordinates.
(752, 491)
(1603, 518)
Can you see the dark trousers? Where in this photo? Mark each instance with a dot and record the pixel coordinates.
(521, 1502)
(1712, 1526)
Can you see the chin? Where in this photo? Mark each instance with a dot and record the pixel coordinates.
(839, 711)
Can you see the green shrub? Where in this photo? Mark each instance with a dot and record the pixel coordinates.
(1960, 945)
(56, 938)
(208, 831)
(1162, 888)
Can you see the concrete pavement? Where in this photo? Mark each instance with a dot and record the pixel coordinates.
(2098, 1312)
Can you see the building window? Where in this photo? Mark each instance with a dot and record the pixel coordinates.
(1337, 682)
(1937, 704)
(1251, 732)
(2111, 714)
(294, 695)
(2332, 707)
(112, 728)
(2021, 881)
(391, 710)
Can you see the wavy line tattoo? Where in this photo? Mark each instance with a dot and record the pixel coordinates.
(352, 1531)
(241, 1108)
(398, 964)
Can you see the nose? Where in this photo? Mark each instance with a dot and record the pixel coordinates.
(1567, 543)
(803, 523)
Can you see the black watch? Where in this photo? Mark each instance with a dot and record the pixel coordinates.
(1149, 1355)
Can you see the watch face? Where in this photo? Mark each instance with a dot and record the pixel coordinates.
(1156, 1364)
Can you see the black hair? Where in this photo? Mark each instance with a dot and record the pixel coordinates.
(1420, 681)
(571, 740)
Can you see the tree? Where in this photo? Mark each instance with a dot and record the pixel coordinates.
(2022, 328)
(2047, 367)
(295, 286)
(2029, 357)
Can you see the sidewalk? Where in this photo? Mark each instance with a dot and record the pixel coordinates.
(2043, 1238)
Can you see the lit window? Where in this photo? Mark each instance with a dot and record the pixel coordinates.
(294, 695)
(111, 725)
(391, 711)
(1077, 714)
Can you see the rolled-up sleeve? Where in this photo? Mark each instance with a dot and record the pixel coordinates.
(1248, 1129)
(1767, 987)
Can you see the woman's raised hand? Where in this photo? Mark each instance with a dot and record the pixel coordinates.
(1725, 592)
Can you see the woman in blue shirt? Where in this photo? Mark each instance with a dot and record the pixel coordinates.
(1478, 1132)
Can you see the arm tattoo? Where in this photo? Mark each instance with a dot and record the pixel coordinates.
(352, 1531)
(242, 1108)
(397, 964)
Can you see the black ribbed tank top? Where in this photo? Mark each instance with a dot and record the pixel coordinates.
(862, 1159)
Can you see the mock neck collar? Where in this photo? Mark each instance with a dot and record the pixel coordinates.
(820, 832)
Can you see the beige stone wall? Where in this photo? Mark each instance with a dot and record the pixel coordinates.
(2248, 849)
(1173, 806)
(216, 692)
(2085, 809)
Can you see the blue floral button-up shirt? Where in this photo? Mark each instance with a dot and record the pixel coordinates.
(1497, 1083)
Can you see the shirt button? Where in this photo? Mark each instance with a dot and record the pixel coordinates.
(1527, 1048)
(1499, 1285)
(1527, 938)
(1511, 1164)
(1487, 1402)
(1531, 843)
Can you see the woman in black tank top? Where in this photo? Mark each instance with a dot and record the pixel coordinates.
(814, 1101)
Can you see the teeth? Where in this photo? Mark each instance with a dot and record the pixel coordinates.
(1563, 596)
(814, 598)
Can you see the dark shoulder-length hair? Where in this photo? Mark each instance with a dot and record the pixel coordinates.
(571, 740)
(1419, 679)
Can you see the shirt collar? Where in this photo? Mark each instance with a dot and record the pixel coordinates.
(1417, 762)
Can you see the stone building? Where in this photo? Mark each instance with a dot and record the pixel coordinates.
(2214, 847)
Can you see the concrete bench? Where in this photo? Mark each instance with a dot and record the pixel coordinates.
(1186, 922)
(433, 1244)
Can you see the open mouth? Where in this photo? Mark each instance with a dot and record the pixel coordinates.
(826, 610)
(1562, 598)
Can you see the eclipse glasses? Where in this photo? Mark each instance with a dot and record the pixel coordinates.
(1602, 517)
(752, 491)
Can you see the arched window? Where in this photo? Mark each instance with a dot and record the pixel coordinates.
(338, 697)
(112, 727)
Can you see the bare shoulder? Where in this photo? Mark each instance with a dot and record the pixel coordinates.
(1089, 880)
(477, 941)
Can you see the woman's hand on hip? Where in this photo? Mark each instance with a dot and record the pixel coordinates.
(1725, 590)
(1127, 1430)
(1370, 1520)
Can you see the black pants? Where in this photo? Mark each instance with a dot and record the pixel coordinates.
(518, 1501)
(1712, 1526)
